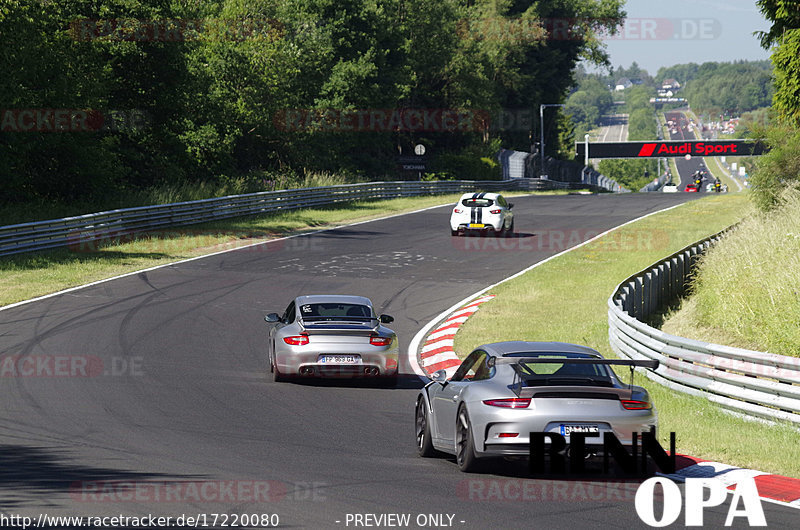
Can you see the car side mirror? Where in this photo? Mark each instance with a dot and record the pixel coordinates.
(272, 318)
(440, 376)
(510, 205)
(386, 319)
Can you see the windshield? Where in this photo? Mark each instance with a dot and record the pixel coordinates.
(477, 203)
(335, 310)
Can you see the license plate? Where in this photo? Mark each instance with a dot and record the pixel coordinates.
(476, 225)
(340, 359)
(566, 430)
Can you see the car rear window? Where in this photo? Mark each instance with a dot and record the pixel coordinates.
(563, 373)
(477, 203)
(310, 311)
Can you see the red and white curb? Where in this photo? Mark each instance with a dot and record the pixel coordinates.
(437, 351)
(772, 488)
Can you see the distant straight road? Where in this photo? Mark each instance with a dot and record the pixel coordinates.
(614, 128)
(682, 131)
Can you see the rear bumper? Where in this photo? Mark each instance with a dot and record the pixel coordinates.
(486, 228)
(308, 364)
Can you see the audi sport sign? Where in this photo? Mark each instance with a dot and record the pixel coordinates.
(670, 149)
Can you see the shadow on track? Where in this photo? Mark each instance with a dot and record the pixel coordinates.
(403, 381)
(36, 471)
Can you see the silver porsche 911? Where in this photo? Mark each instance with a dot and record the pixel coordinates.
(504, 391)
(333, 336)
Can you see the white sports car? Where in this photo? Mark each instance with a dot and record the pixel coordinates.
(482, 212)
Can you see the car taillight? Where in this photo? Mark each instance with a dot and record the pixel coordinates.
(296, 340)
(457, 210)
(509, 403)
(380, 341)
(495, 211)
(635, 404)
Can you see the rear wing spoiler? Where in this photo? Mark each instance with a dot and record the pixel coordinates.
(652, 364)
(336, 326)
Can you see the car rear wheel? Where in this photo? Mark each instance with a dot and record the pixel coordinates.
(423, 428)
(453, 232)
(276, 375)
(510, 231)
(465, 449)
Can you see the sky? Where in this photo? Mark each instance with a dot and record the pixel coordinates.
(668, 32)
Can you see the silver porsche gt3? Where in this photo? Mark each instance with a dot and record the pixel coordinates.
(504, 391)
(331, 336)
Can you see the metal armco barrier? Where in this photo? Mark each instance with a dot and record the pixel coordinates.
(755, 384)
(42, 235)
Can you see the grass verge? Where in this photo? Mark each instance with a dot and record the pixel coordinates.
(565, 300)
(747, 289)
(713, 165)
(26, 276)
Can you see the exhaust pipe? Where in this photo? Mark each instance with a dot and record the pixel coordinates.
(371, 370)
(306, 370)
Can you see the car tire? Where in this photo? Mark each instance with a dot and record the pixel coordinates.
(453, 232)
(276, 375)
(423, 431)
(465, 448)
(510, 231)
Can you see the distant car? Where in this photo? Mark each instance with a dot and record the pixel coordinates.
(482, 212)
(691, 188)
(710, 187)
(504, 391)
(669, 188)
(331, 335)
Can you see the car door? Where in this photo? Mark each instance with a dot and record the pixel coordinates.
(286, 320)
(448, 396)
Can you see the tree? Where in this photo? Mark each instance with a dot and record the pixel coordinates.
(784, 37)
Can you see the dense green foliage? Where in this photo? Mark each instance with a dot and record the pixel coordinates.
(780, 168)
(723, 88)
(784, 36)
(218, 99)
(588, 103)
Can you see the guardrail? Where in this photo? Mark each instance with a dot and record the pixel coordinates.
(91, 228)
(591, 177)
(755, 384)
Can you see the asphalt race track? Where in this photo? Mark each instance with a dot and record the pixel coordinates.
(171, 387)
(686, 168)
